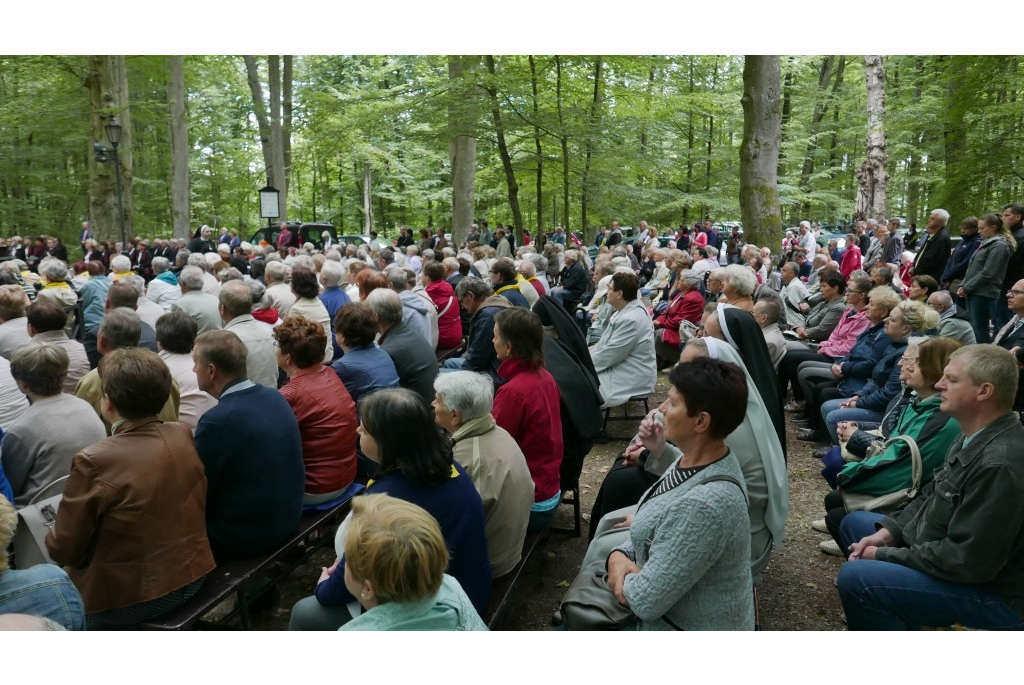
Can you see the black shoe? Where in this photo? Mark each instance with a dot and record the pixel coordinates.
(809, 435)
(821, 452)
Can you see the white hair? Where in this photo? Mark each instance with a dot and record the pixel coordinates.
(469, 393)
(120, 264)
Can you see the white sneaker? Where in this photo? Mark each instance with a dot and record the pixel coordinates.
(819, 526)
(830, 547)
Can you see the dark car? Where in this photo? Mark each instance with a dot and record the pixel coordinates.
(301, 233)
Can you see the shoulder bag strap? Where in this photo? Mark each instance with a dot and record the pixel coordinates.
(915, 456)
(446, 307)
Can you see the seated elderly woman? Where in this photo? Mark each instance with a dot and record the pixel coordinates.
(131, 529)
(624, 357)
(689, 540)
(323, 407)
(825, 314)
(395, 561)
(685, 304)
(308, 305)
(491, 458)
(417, 466)
(364, 366)
(528, 406)
(43, 591)
(738, 285)
(914, 414)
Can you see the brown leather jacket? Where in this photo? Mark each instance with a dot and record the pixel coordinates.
(132, 524)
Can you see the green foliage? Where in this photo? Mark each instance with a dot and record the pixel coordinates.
(664, 142)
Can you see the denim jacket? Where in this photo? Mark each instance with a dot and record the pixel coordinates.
(967, 525)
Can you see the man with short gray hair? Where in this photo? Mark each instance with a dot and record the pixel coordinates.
(933, 255)
(414, 359)
(235, 308)
(204, 308)
(278, 291)
(953, 321)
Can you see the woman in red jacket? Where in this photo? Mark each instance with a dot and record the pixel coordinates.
(449, 323)
(687, 304)
(528, 406)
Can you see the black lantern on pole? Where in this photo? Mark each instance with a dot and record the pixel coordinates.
(113, 129)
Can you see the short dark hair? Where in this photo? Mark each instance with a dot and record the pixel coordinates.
(304, 282)
(122, 295)
(522, 330)
(45, 315)
(1015, 208)
(420, 450)
(41, 367)
(303, 339)
(224, 350)
(136, 380)
(833, 278)
(727, 405)
(506, 268)
(626, 283)
(357, 323)
(927, 282)
(434, 271)
(464, 266)
(176, 332)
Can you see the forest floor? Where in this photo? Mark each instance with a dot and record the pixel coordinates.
(796, 593)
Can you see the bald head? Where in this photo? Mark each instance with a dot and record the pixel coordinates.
(940, 301)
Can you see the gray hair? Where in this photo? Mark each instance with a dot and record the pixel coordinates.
(136, 281)
(428, 254)
(451, 263)
(275, 272)
(690, 278)
(387, 305)
(53, 270)
(229, 274)
(236, 297)
(121, 327)
(332, 255)
(304, 261)
(538, 260)
(192, 277)
(527, 269)
(469, 393)
(258, 292)
(160, 265)
(398, 279)
(477, 287)
(741, 279)
(119, 264)
(942, 214)
(331, 274)
(198, 260)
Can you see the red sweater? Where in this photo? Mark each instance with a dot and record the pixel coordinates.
(528, 408)
(687, 307)
(449, 324)
(327, 424)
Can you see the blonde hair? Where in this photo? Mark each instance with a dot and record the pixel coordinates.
(919, 316)
(397, 547)
(992, 365)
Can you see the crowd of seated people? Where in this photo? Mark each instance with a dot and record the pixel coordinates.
(282, 374)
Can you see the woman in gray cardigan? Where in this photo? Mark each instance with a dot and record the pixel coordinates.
(686, 565)
(985, 272)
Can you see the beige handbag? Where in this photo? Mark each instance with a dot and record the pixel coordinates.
(886, 504)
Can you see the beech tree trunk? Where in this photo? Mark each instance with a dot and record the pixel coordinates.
(759, 151)
(180, 207)
(564, 140)
(820, 110)
(595, 110)
(107, 83)
(540, 157)
(270, 135)
(461, 148)
(506, 158)
(872, 178)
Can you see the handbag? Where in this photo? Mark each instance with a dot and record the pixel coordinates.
(893, 501)
(34, 521)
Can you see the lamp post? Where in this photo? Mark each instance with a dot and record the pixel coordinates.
(113, 128)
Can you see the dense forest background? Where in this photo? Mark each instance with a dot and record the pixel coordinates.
(571, 140)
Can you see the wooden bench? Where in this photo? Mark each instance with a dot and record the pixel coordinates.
(502, 588)
(232, 577)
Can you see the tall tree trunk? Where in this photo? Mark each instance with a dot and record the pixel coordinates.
(107, 82)
(787, 106)
(180, 208)
(828, 65)
(872, 177)
(959, 95)
(273, 162)
(914, 163)
(287, 88)
(367, 198)
(276, 134)
(759, 151)
(595, 109)
(506, 159)
(564, 140)
(540, 155)
(461, 147)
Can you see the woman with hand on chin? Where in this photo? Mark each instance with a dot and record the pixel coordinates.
(689, 545)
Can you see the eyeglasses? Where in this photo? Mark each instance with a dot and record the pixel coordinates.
(908, 361)
(1015, 292)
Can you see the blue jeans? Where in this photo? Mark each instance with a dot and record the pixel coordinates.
(880, 595)
(45, 591)
(1001, 313)
(980, 311)
(832, 414)
(453, 364)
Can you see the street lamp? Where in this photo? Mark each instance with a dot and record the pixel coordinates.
(113, 129)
